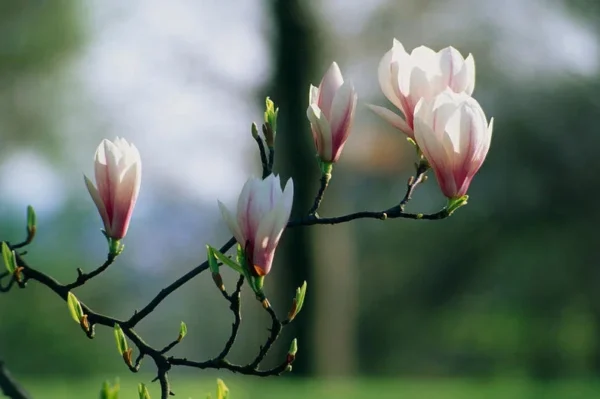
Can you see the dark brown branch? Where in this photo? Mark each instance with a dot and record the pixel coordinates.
(8, 286)
(263, 156)
(413, 182)
(323, 186)
(165, 292)
(234, 305)
(276, 327)
(9, 386)
(82, 277)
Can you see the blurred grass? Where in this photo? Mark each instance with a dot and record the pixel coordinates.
(278, 388)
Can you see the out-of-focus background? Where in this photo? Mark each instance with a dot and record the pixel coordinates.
(502, 300)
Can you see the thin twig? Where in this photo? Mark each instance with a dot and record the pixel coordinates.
(235, 306)
(275, 331)
(413, 182)
(263, 156)
(9, 386)
(325, 177)
(82, 277)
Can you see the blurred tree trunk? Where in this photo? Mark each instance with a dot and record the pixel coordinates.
(294, 52)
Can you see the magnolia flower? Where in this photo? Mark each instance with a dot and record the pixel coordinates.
(331, 113)
(263, 211)
(118, 171)
(406, 78)
(452, 132)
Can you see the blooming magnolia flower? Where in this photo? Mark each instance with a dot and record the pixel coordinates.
(331, 113)
(263, 211)
(406, 78)
(118, 171)
(453, 134)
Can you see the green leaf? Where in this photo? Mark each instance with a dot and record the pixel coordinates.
(293, 348)
(121, 340)
(110, 392)
(143, 392)
(227, 261)
(74, 307)
(212, 260)
(31, 219)
(240, 256)
(182, 331)
(300, 294)
(271, 114)
(222, 390)
(9, 258)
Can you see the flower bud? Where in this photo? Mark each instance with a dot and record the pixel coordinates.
(182, 332)
(291, 355)
(262, 214)
(31, 223)
(298, 302)
(143, 392)
(331, 114)
(406, 78)
(454, 135)
(118, 171)
(270, 126)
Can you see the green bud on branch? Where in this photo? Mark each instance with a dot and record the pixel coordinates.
(10, 261)
(291, 355)
(110, 391)
(120, 339)
(182, 331)
(143, 392)
(298, 302)
(31, 223)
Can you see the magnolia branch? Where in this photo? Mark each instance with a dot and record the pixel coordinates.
(159, 356)
(9, 386)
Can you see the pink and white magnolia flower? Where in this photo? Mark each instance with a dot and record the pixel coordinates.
(453, 133)
(263, 211)
(331, 113)
(118, 172)
(406, 78)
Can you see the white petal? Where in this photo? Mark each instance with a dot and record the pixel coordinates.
(232, 224)
(470, 68)
(342, 113)
(392, 118)
(99, 204)
(321, 126)
(331, 82)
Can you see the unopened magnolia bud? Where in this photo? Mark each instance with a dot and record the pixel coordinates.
(254, 129)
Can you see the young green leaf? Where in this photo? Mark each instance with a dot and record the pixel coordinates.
(222, 390)
(9, 258)
(227, 261)
(74, 308)
(31, 220)
(120, 339)
(143, 392)
(182, 331)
